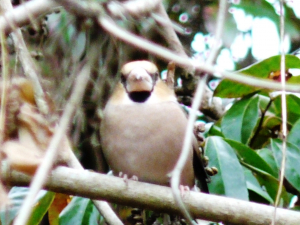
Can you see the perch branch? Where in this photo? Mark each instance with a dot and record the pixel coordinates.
(159, 198)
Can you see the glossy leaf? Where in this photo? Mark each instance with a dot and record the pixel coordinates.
(266, 10)
(250, 157)
(294, 79)
(240, 120)
(16, 196)
(293, 136)
(292, 172)
(215, 131)
(262, 69)
(253, 185)
(79, 211)
(293, 105)
(270, 184)
(40, 208)
(268, 157)
(269, 129)
(230, 180)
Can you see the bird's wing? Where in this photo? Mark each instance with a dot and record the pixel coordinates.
(200, 172)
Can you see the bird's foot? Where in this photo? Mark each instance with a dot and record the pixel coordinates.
(125, 177)
(183, 190)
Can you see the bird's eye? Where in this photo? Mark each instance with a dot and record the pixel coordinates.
(155, 76)
(123, 79)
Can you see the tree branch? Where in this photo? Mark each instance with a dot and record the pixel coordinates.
(159, 198)
(19, 16)
(110, 26)
(30, 68)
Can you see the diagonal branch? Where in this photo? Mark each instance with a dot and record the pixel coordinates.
(52, 150)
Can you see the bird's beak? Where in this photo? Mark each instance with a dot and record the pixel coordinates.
(139, 80)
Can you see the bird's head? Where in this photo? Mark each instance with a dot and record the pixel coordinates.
(140, 83)
(139, 79)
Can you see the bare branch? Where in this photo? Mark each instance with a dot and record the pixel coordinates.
(164, 53)
(29, 66)
(155, 197)
(135, 8)
(169, 32)
(19, 16)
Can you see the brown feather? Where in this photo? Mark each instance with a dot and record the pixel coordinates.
(144, 139)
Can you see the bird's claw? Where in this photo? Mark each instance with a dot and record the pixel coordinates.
(125, 177)
(183, 190)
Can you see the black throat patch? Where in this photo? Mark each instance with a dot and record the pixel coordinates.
(139, 96)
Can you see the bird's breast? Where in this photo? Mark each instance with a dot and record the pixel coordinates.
(145, 140)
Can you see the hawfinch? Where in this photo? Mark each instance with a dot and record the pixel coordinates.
(143, 129)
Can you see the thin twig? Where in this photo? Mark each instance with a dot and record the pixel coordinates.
(169, 32)
(283, 110)
(219, 32)
(29, 66)
(263, 113)
(135, 8)
(176, 173)
(19, 16)
(4, 64)
(110, 26)
(5, 75)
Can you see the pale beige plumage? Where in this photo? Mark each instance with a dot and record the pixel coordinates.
(143, 128)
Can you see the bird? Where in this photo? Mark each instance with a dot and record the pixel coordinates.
(143, 128)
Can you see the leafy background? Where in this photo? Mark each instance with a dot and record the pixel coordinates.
(244, 144)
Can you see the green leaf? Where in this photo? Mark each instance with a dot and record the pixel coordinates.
(240, 120)
(253, 185)
(294, 80)
(293, 104)
(79, 211)
(293, 136)
(266, 10)
(230, 180)
(268, 157)
(215, 131)
(262, 69)
(292, 172)
(41, 207)
(17, 196)
(249, 156)
(270, 184)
